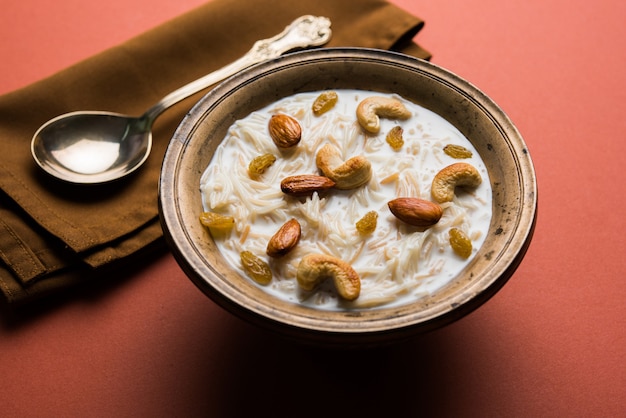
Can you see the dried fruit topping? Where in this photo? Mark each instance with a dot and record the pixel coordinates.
(305, 184)
(367, 224)
(460, 243)
(284, 130)
(394, 138)
(371, 109)
(316, 268)
(448, 178)
(217, 222)
(285, 239)
(259, 164)
(257, 269)
(457, 151)
(324, 102)
(416, 212)
(350, 174)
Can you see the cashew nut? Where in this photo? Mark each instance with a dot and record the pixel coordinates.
(458, 174)
(314, 268)
(371, 108)
(350, 174)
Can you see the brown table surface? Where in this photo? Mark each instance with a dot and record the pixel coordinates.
(551, 343)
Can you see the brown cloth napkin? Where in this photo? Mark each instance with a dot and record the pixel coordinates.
(54, 234)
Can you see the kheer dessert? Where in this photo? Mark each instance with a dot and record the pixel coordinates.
(347, 199)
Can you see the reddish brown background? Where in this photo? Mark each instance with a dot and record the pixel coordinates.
(551, 344)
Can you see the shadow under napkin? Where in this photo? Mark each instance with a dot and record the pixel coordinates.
(56, 234)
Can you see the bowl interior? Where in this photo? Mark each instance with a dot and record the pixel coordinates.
(474, 114)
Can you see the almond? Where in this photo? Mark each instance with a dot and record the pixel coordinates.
(305, 184)
(284, 130)
(285, 239)
(416, 212)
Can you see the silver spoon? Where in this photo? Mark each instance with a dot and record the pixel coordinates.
(96, 147)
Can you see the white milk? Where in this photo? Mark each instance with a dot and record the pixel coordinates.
(397, 263)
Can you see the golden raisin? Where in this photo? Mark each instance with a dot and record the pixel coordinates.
(259, 164)
(394, 137)
(257, 269)
(457, 151)
(460, 243)
(324, 102)
(217, 222)
(367, 224)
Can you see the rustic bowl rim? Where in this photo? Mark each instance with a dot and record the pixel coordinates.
(342, 328)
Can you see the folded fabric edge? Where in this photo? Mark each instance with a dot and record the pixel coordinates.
(15, 296)
(125, 246)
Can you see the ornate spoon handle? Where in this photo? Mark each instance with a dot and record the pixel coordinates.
(303, 32)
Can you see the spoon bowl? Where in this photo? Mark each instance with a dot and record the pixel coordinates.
(92, 147)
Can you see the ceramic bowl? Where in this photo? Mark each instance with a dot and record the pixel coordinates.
(494, 136)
